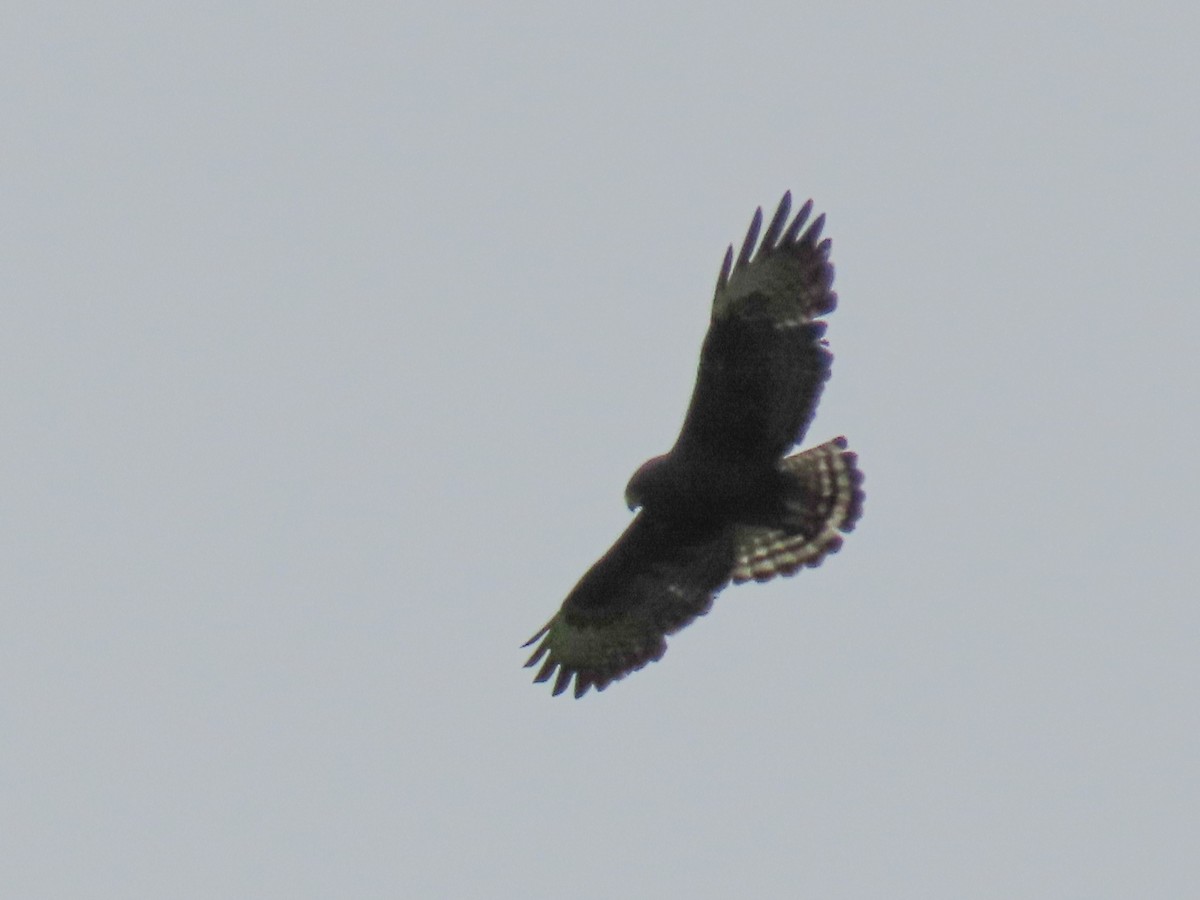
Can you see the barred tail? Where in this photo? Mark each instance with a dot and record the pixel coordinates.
(827, 499)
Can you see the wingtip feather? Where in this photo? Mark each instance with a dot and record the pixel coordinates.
(537, 654)
(726, 267)
(771, 237)
(814, 230)
(540, 634)
(793, 231)
(583, 681)
(751, 238)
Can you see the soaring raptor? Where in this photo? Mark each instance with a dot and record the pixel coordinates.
(725, 504)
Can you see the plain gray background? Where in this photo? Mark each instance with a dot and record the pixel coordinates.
(331, 333)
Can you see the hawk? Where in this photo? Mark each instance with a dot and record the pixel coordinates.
(726, 503)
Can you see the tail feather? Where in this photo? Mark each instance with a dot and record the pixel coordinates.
(825, 498)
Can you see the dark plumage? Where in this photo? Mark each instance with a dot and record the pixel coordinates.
(724, 504)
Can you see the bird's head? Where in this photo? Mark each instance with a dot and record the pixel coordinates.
(645, 483)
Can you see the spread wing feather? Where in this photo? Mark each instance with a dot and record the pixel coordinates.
(656, 579)
(764, 360)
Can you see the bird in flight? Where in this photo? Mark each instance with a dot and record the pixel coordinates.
(726, 503)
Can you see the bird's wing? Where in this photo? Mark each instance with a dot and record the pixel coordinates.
(825, 497)
(657, 578)
(764, 362)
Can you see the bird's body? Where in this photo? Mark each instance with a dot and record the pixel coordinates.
(724, 504)
(704, 487)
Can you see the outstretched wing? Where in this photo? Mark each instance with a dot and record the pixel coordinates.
(826, 499)
(657, 578)
(764, 362)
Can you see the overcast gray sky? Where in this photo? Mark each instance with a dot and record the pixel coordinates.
(332, 333)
